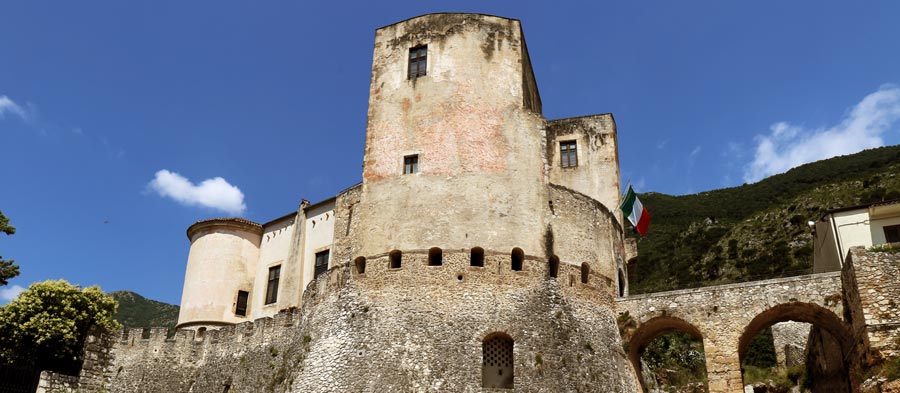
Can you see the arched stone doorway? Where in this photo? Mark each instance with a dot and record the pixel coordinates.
(650, 330)
(831, 343)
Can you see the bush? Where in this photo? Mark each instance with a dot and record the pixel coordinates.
(47, 324)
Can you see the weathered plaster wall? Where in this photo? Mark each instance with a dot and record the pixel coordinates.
(319, 235)
(221, 261)
(480, 176)
(275, 249)
(597, 172)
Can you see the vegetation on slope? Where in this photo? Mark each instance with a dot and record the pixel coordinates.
(756, 230)
(136, 311)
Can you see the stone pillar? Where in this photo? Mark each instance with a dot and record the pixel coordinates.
(723, 365)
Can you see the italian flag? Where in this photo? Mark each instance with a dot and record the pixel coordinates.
(635, 212)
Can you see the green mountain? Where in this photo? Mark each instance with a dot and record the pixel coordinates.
(757, 230)
(136, 311)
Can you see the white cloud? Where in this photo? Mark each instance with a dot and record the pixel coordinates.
(8, 294)
(789, 145)
(9, 106)
(213, 193)
(695, 152)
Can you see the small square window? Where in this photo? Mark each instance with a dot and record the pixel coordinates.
(568, 154)
(272, 288)
(892, 234)
(411, 164)
(321, 262)
(418, 61)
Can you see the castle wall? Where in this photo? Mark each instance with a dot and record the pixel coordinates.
(597, 172)
(417, 328)
(222, 260)
(480, 170)
(583, 230)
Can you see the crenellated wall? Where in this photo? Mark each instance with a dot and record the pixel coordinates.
(416, 328)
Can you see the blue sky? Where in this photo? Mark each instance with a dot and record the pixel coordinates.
(121, 123)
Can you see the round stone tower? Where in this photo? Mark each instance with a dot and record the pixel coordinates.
(221, 262)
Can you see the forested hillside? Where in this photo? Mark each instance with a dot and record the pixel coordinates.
(136, 311)
(756, 230)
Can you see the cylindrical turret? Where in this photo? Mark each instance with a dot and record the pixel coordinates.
(454, 142)
(221, 263)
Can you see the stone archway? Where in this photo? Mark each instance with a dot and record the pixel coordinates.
(650, 330)
(831, 336)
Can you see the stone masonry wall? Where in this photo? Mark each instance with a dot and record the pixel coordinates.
(726, 317)
(790, 342)
(52, 382)
(416, 328)
(873, 281)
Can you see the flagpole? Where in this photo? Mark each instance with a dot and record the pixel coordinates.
(622, 200)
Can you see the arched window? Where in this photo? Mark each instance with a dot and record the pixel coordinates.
(585, 272)
(497, 361)
(518, 256)
(201, 332)
(396, 257)
(554, 266)
(477, 257)
(435, 257)
(621, 283)
(360, 263)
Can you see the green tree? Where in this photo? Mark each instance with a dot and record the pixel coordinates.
(48, 323)
(7, 268)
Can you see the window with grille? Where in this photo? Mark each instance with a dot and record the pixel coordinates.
(497, 362)
(410, 164)
(418, 61)
(272, 288)
(892, 234)
(568, 154)
(240, 308)
(321, 262)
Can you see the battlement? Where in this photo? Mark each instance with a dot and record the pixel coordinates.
(248, 333)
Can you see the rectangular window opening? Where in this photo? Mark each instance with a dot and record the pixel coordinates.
(272, 288)
(411, 164)
(321, 262)
(892, 234)
(240, 308)
(418, 61)
(568, 154)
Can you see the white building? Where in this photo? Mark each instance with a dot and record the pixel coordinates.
(864, 225)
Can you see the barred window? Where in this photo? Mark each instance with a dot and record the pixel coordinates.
(321, 263)
(497, 361)
(272, 288)
(568, 154)
(418, 61)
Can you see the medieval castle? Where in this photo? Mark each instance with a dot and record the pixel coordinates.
(482, 252)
